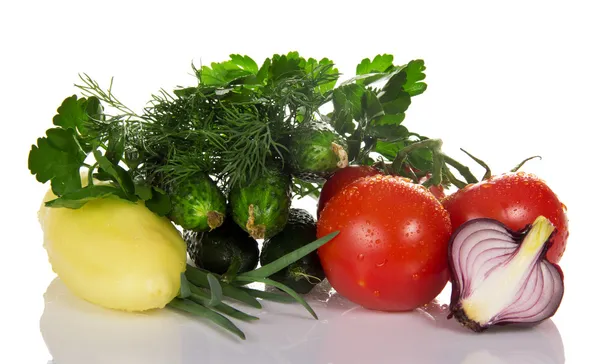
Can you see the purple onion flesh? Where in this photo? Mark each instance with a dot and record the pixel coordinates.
(500, 276)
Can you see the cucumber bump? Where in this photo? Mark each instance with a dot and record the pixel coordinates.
(197, 203)
(316, 151)
(262, 207)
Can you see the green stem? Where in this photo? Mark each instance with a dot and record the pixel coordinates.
(518, 166)
(91, 174)
(432, 144)
(463, 170)
(277, 265)
(452, 178)
(488, 171)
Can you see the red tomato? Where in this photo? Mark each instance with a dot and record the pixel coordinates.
(438, 191)
(341, 179)
(516, 200)
(391, 252)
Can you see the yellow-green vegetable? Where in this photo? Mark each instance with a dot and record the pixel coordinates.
(115, 253)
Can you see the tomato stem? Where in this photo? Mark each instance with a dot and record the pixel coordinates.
(452, 178)
(488, 171)
(518, 166)
(462, 169)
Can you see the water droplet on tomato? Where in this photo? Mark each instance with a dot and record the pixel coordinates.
(564, 207)
(376, 293)
(486, 185)
(520, 174)
(379, 265)
(415, 276)
(378, 241)
(360, 257)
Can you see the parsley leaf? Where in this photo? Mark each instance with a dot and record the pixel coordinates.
(414, 74)
(380, 64)
(225, 73)
(160, 203)
(78, 198)
(57, 158)
(71, 113)
(118, 173)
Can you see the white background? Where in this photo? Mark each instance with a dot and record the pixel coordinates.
(507, 80)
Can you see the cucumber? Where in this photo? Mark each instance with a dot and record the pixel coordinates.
(262, 207)
(317, 151)
(307, 272)
(218, 249)
(197, 203)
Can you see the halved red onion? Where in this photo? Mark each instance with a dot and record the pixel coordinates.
(500, 276)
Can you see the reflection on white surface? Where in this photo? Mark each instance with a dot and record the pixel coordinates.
(77, 332)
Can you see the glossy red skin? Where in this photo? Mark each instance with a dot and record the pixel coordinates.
(391, 252)
(514, 199)
(341, 179)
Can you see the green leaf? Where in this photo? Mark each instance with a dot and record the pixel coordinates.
(371, 105)
(200, 296)
(143, 191)
(119, 174)
(389, 150)
(116, 146)
(199, 277)
(270, 296)
(286, 66)
(216, 292)
(57, 158)
(322, 70)
(421, 159)
(388, 132)
(263, 72)
(184, 290)
(278, 264)
(185, 92)
(225, 73)
(282, 287)
(390, 119)
(160, 203)
(201, 311)
(414, 74)
(77, 199)
(381, 63)
(244, 62)
(71, 113)
(347, 106)
(394, 99)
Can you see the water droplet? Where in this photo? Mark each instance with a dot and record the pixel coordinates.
(361, 283)
(376, 293)
(486, 185)
(564, 207)
(415, 276)
(360, 257)
(418, 231)
(378, 241)
(521, 174)
(407, 235)
(379, 265)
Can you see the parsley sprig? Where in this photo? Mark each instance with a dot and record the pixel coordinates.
(233, 124)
